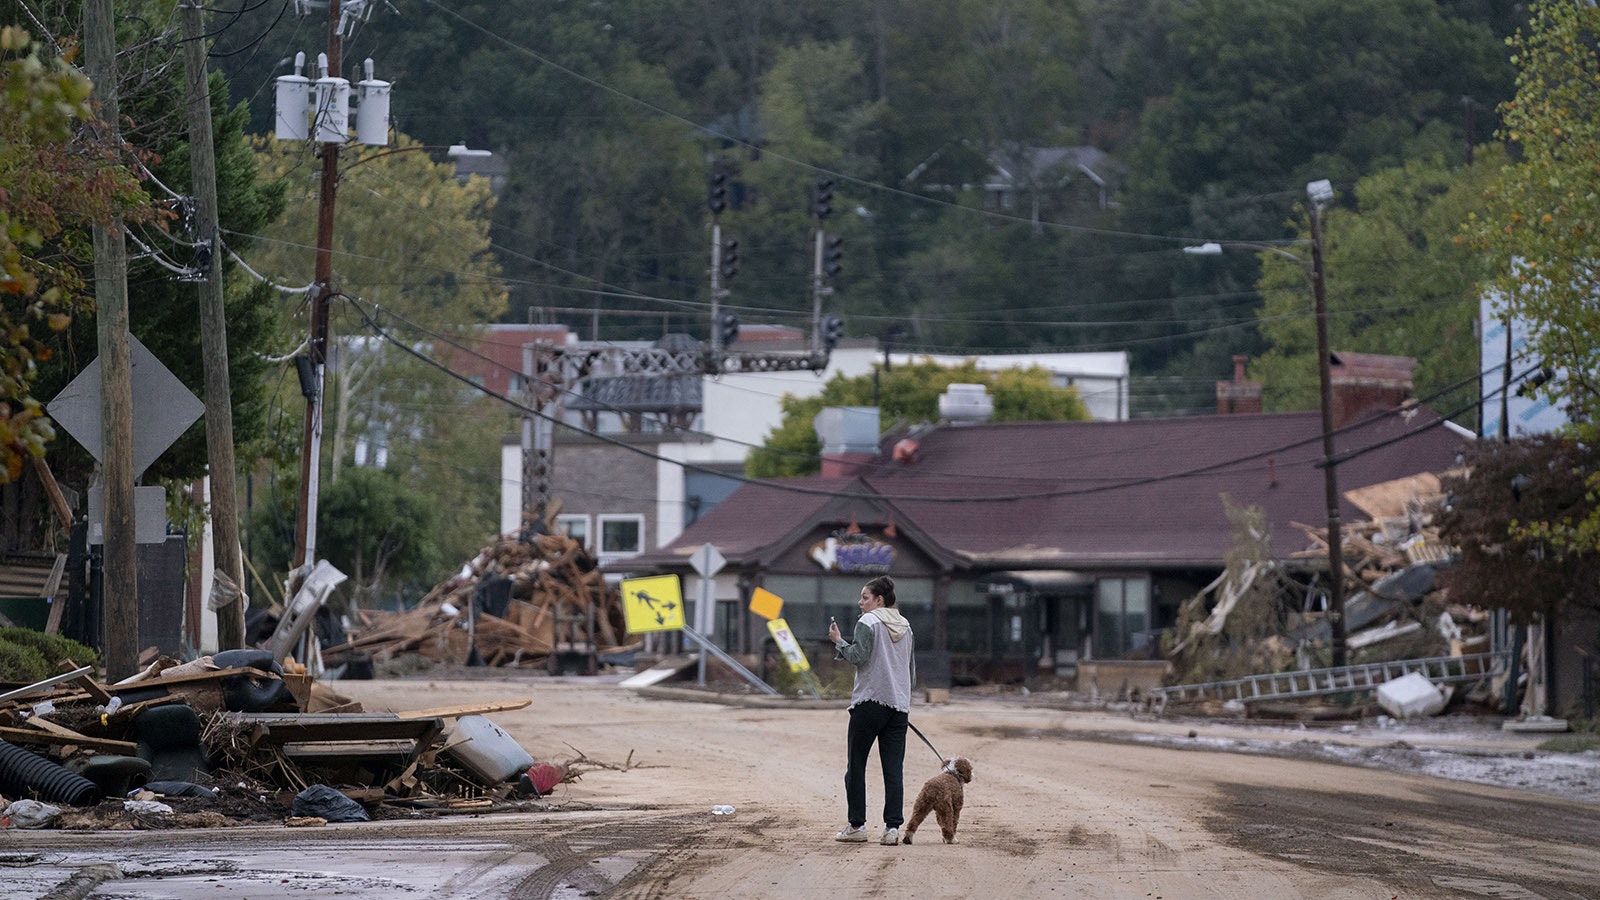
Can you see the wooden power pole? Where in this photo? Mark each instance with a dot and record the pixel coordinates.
(121, 571)
(305, 530)
(213, 329)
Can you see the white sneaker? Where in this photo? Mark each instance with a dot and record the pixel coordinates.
(852, 835)
(891, 836)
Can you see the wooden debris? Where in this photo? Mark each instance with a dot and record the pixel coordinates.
(532, 599)
(475, 709)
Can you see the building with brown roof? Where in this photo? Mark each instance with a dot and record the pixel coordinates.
(1039, 548)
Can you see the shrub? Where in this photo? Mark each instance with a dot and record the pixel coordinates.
(53, 647)
(22, 664)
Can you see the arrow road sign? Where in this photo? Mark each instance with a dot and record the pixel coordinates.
(652, 604)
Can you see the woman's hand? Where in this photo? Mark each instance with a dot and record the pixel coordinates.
(833, 631)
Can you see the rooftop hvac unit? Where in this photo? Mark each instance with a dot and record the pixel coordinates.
(966, 404)
(847, 429)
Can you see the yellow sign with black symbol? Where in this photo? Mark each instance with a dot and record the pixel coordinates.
(652, 604)
(788, 646)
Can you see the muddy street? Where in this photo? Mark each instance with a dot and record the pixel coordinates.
(1062, 804)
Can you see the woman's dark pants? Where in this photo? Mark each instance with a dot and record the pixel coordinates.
(871, 721)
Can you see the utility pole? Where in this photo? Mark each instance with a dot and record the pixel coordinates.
(213, 330)
(1321, 194)
(305, 523)
(121, 571)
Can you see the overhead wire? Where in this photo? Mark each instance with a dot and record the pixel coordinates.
(378, 330)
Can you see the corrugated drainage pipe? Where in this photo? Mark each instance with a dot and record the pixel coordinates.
(24, 774)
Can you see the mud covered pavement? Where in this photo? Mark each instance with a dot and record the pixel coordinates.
(1063, 804)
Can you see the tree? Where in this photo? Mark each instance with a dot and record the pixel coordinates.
(908, 393)
(1544, 214)
(375, 528)
(1334, 90)
(1400, 280)
(379, 530)
(163, 314)
(1514, 515)
(411, 254)
(51, 182)
(412, 257)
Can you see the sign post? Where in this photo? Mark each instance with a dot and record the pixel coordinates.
(707, 562)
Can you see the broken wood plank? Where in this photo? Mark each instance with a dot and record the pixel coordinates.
(85, 682)
(213, 675)
(470, 709)
(284, 728)
(27, 736)
(52, 681)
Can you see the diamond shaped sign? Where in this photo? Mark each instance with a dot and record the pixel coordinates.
(163, 409)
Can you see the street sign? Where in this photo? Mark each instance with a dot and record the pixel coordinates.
(652, 604)
(792, 654)
(766, 604)
(707, 561)
(163, 409)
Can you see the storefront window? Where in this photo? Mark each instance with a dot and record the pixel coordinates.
(1122, 617)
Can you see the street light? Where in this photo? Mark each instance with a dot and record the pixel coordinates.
(1320, 193)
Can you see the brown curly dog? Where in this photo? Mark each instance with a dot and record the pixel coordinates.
(942, 796)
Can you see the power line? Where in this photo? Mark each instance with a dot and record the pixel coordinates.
(1210, 468)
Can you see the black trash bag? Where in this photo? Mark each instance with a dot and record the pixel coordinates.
(325, 802)
(182, 789)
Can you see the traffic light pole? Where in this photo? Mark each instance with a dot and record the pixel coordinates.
(819, 288)
(717, 290)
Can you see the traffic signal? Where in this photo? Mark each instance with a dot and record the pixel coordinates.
(730, 257)
(728, 328)
(833, 256)
(832, 331)
(822, 198)
(717, 189)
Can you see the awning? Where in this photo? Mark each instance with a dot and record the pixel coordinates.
(1035, 581)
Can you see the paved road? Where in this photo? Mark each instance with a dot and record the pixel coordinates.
(1063, 804)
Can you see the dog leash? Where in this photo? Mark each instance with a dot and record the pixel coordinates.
(926, 741)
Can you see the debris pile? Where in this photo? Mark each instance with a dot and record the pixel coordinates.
(540, 602)
(1262, 617)
(238, 737)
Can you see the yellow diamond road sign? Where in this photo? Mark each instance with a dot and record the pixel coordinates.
(652, 604)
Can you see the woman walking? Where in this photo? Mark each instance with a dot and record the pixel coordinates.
(880, 704)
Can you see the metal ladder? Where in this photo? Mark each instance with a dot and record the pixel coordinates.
(1315, 682)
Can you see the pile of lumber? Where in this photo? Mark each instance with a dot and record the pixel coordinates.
(515, 604)
(218, 756)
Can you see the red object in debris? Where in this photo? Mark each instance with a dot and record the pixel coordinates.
(544, 777)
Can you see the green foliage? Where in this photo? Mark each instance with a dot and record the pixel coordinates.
(52, 647)
(163, 312)
(1513, 515)
(1333, 90)
(1541, 226)
(52, 182)
(1400, 280)
(377, 529)
(907, 393)
(21, 663)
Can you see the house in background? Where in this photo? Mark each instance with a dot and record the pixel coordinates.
(1056, 548)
